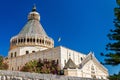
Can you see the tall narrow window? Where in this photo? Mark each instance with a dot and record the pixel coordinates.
(18, 40)
(57, 61)
(21, 40)
(27, 39)
(12, 68)
(81, 58)
(40, 40)
(34, 40)
(15, 54)
(27, 52)
(11, 55)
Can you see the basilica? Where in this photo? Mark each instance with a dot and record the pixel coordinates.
(33, 43)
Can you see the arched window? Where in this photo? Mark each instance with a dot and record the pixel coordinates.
(57, 61)
(11, 55)
(40, 40)
(81, 58)
(34, 40)
(15, 54)
(27, 39)
(33, 51)
(27, 52)
(21, 40)
(18, 40)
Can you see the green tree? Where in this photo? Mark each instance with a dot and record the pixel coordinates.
(113, 55)
(3, 66)
(115, 77)
(42, 66)
(30, 66)
(113, 47)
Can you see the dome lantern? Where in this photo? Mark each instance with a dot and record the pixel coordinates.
(34, 15)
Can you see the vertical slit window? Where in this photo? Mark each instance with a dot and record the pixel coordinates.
(40, 40)
(15, 54)
(11, 55)
(18, 40)
(21, 40)
(34, 40)
(27, 39)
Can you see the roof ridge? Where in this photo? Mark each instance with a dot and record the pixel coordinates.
(89, 57)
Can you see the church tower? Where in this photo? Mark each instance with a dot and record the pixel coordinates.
(31, 38)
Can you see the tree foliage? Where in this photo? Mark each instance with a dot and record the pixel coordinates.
(115, 76)
(3, 66)
(42, 66)
(118, 2)
(113, 48)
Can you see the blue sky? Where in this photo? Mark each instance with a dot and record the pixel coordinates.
(83, 25)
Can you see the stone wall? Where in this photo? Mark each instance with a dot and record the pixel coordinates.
(16, 75)
(16, 63)
(60, 53)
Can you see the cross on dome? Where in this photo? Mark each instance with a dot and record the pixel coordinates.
(34, 8)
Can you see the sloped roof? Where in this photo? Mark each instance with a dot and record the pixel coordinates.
(33, 27)
(70, 64)
(89, 57)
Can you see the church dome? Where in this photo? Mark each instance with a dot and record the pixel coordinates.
(32, 33)
(33, 26)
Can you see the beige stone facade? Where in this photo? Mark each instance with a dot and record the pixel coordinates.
(57, 53)
(32, 43)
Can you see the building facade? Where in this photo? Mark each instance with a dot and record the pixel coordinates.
(33, 43)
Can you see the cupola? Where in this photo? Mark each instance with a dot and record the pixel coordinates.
(34, 15)
(32, 34)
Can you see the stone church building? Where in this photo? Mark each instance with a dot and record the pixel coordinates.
(33, 43)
